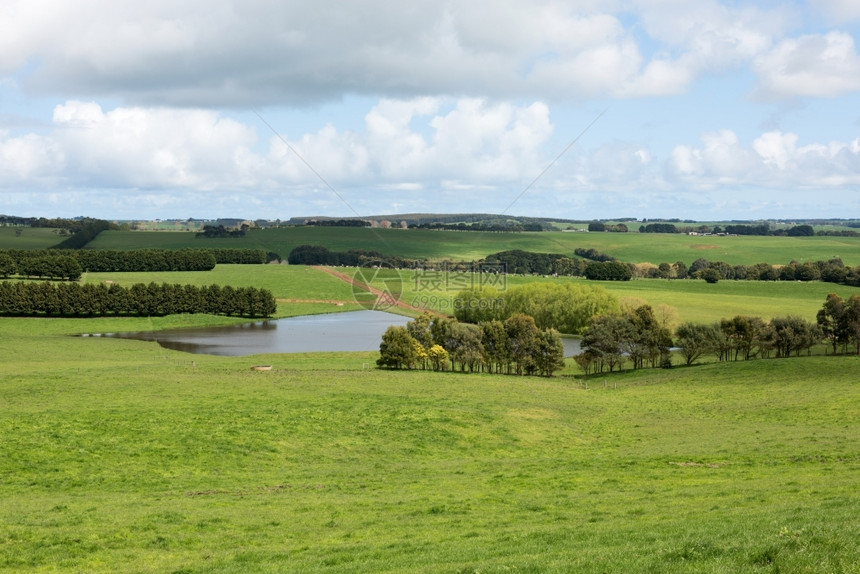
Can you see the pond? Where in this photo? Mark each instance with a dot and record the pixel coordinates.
(350, 331)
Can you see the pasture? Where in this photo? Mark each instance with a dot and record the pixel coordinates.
(122, 454)
(301, 289)
(29, 237)
(469, 246)
(694, 300)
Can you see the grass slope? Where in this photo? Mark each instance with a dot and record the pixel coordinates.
(30, 238)
(121, 454)
(425, 244)
(694, 300)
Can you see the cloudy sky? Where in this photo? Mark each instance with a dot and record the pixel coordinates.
(699, 109)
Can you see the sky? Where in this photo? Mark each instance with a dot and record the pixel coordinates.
(587, 109)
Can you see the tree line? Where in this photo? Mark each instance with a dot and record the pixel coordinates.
(69, 265)
(514, 346)
(762, 228)
(636, 336)
(830, 271)
(98, 299)
(595, 266)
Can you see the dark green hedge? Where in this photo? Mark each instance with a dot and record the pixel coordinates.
(24, 299)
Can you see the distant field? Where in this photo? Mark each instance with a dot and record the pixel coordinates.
(694, 300)
(284, 281)
(119, 452)
(29, 238)
(454, 245)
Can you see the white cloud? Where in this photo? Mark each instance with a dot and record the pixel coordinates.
(839, 11)
(773, 161)
(215, 53)
(471, 141)
(816, 65)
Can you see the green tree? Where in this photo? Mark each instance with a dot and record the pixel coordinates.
(550, 352)
(397, 349)
(438, 357)
(695, 340)
(833, 322)
(793, 335)
(522, 336)
(495, 341)
(464, 346)
(607, 340)
(7, 265)
(710, 275)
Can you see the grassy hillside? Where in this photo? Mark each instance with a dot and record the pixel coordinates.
(694, 300)
(29, 238)
(425, 244)
(119, 452)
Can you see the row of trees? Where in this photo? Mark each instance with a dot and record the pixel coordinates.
(637, 336)
(219, 231)
(830, 271)
(55, 264)
(566, 307)
(62, 267)
(762, 228)
(90, 299)
(514, 346)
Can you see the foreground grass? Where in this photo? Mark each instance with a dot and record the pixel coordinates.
(121, 455)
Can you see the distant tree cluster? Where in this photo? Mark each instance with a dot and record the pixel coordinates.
(85, 231)
(338, 223)
(56, 264)
(216, 231)
(515, 346)
(517, 261)
(831, 271)
(565, 307)
(592, 254)
(600, 226)
(658, 228)
(506, 226)
(76, 300)
(608, 271)
(319, 255)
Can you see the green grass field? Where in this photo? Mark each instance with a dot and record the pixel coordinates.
(694, 300)
(29, 238)
(467, 246)
(119, 455)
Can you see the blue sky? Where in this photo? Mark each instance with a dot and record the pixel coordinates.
(276, 109)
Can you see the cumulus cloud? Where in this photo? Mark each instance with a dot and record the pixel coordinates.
(815, 65)
(215, 53)
(470, 141)
(839, 11)
(773, 160)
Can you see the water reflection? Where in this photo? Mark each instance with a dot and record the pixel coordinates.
(351, 331)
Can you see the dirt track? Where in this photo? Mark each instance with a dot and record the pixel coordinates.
(382, 298)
